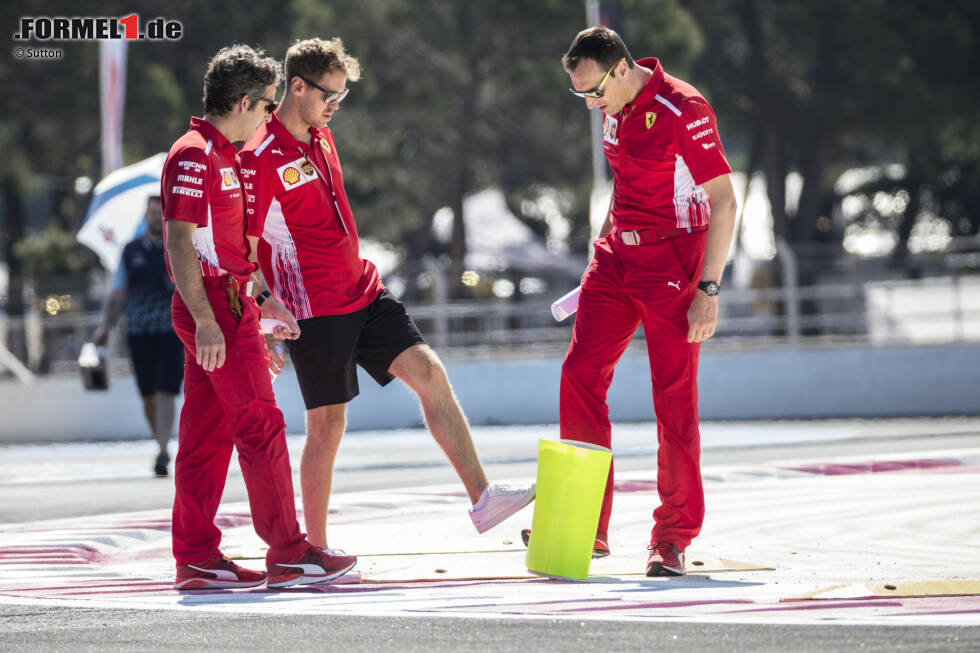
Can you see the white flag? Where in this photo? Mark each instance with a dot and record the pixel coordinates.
(112, 79)
(117, 208)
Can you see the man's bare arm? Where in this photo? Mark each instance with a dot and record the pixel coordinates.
(113, 309)
(209, 340)
(702, 317)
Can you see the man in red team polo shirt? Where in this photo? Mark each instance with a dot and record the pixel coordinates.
(228, 399)
(658, 260)
(309, 254)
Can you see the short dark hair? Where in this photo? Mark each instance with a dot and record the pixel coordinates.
(314, 57)
(153, 198)
(601, 44)
(236, 71)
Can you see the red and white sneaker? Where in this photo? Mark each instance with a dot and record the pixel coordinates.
(217, 572)
(497, 503)
(599, 548)
(665, 560)
(315, 566)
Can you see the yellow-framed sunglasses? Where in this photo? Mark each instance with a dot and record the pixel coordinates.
(598, 91)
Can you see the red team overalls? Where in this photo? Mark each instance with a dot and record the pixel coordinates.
(660, 147)
(232, 406)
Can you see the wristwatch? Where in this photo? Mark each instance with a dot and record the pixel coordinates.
(710, 288)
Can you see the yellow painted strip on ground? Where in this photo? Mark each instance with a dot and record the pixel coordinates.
(958, 587)
(896, 589)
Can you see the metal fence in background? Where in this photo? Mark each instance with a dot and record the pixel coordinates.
(927, 311)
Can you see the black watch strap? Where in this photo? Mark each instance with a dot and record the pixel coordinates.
(710, 288)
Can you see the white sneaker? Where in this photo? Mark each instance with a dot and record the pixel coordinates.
(497, 503)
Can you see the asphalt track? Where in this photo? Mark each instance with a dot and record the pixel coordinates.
(809, 524)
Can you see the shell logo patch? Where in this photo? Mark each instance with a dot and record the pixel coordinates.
(296, 173)
(229, 180)
(651, 117)
(290, 175)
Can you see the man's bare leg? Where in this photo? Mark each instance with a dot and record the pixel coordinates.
(420, 368)
(150, 413)
(163, 418)
(324, 430)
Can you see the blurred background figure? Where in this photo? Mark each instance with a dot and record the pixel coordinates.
(142, 287)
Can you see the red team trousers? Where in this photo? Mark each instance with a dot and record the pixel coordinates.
(624, 286)
(233, 406)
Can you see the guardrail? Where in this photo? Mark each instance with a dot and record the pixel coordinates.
(937, 310)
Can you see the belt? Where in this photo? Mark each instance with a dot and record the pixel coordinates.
(233, 288)
(227, 279)
(646, 236)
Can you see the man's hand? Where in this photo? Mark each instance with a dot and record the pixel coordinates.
(702, 317)
(273, 308)
(101, 336)
(276, 360)
(210, 345)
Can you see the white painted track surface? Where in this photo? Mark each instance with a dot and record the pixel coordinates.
(865, 506)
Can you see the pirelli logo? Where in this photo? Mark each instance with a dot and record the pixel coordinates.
(296, 173)
(184, 190)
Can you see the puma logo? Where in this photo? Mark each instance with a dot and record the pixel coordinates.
(276, 151)
(675, 284)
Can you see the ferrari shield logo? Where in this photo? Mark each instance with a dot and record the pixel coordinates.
(325, 145)
(651, 117)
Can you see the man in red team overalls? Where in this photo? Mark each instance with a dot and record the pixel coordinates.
(309, 253)
(228, 399)
(658, 261)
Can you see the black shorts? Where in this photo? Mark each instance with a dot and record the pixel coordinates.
(330, 347)
(158, 362)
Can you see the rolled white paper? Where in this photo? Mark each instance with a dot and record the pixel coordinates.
(567, 305)
(267, 324)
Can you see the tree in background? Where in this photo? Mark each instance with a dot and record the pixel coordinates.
(460, 96)
(820, 88)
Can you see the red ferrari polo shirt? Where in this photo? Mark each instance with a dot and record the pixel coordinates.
(296, 203)
(661, 147)
(200, 184)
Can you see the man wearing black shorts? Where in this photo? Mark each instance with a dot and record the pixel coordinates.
(310, 258)
(142, 286)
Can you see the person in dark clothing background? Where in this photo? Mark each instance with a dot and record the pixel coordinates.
(142, 289)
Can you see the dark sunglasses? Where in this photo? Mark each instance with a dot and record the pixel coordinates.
(270, 105)
(328, 96)
(599, 90)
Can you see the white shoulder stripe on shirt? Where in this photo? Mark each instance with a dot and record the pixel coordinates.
(667, 103)
(207, 149)
(265, 144)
